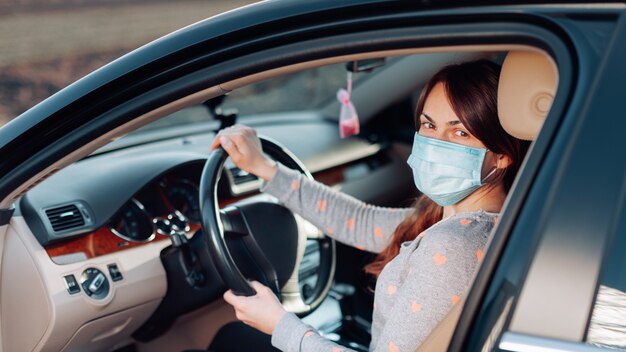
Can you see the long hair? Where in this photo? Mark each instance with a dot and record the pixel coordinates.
(471, 88)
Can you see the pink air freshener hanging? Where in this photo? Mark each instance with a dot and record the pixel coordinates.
(348, 118)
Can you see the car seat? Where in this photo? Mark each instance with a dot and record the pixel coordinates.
(526, 89)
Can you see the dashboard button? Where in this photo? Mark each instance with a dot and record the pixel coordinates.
(114, 272)
(94, 283)
(71, 284)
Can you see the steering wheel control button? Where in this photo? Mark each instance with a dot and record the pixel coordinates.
(95, 284)
(71, 284)
(114, 272)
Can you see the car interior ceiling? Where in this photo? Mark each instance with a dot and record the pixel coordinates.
(387, 123)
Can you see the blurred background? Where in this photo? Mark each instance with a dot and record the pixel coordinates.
(47, 44)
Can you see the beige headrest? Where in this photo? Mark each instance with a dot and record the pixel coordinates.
(527, 85)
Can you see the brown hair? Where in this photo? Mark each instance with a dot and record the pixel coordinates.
(472, 89)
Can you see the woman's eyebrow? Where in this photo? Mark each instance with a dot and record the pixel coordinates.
(449, 123)
(428, 118)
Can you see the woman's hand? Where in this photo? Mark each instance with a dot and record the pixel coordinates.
(244, 148)
(262, 311)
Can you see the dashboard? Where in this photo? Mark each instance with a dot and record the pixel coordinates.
(99, 221)
(112, 201)
(138, 219)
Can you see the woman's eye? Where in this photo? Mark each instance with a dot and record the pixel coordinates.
(428, 125)
(461, 133)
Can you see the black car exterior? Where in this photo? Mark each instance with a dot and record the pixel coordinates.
(563, 222)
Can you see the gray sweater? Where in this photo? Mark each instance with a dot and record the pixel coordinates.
(415, 290)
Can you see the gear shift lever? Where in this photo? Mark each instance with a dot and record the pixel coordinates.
(176, 225)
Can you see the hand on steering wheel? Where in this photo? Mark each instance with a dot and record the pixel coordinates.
(262, 240)
(262, 311)
(244, 148)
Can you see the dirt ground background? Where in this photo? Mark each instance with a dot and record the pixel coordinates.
(47, 44)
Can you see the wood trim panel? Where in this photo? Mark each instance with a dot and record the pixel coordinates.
(104, 241)
(100, 242)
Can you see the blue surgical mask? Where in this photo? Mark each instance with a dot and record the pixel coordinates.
(446, 172)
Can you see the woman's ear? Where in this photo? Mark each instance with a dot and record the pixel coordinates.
(503, 161)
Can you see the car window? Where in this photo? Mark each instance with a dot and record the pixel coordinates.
(299, 91)
(607, 325)
(303, 90)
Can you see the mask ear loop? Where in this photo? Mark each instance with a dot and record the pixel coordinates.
(488, 175)
(493, 171)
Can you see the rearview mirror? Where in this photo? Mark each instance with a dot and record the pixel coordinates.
(364, 65)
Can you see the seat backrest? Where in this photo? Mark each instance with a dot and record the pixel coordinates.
(440, 337)
(526, 89)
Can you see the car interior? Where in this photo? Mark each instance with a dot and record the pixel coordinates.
(107, 244)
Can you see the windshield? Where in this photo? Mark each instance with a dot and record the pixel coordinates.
(300, 91)
(303, 90)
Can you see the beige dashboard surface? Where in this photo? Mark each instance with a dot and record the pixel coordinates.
(39, 314)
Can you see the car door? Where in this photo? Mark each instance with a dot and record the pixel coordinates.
(191, 64)
(556, 256)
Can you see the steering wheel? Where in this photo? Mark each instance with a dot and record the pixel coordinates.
(262, 239)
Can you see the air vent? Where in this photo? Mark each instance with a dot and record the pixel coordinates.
(242, 182)
(240, 176)
(65, 217)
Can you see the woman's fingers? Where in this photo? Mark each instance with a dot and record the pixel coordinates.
(238, 302)
(228, 297)
(230, 147)
(249, 135)
(259, 287)
(216, 142)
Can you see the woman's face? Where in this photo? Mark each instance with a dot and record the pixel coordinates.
(439, 121)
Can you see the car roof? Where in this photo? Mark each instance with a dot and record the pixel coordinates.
(229, 26)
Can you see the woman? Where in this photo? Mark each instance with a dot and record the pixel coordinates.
(464, 164)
